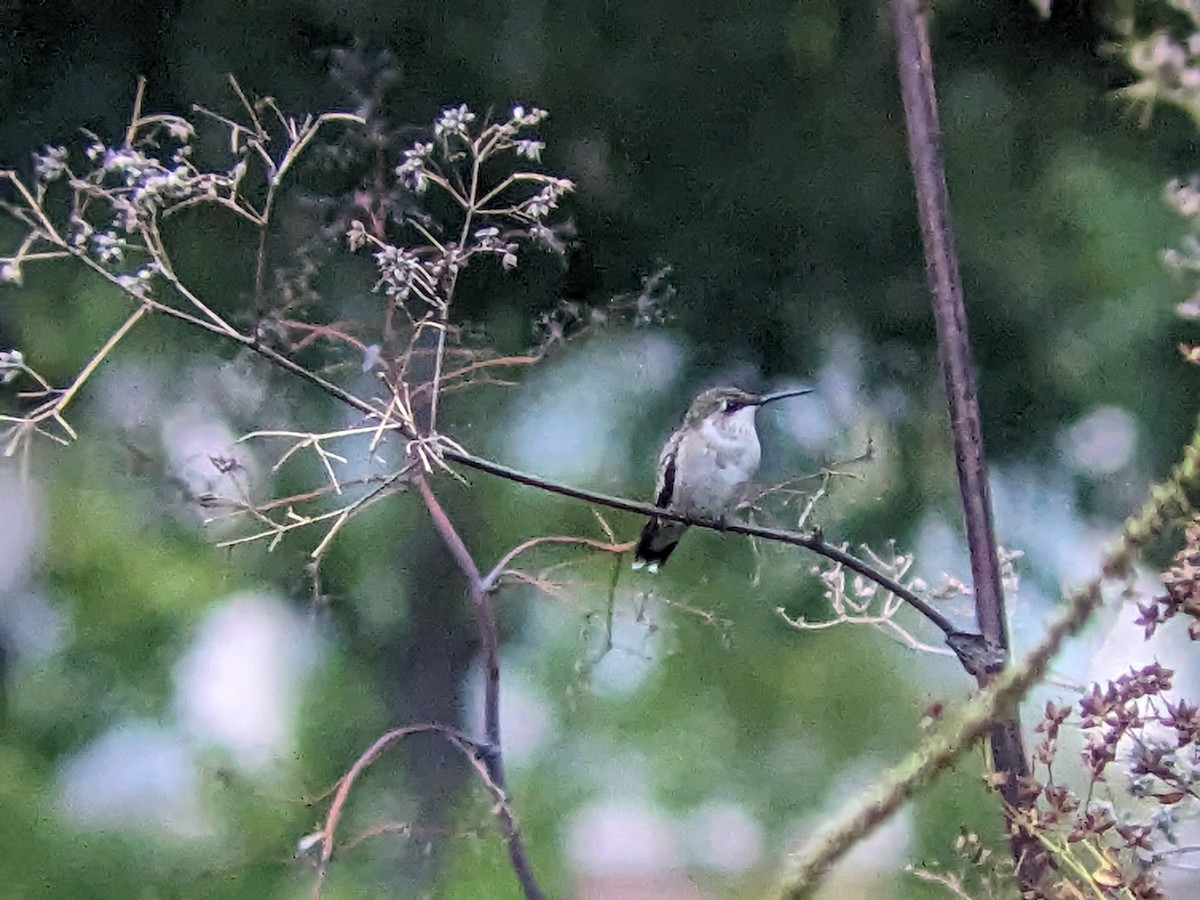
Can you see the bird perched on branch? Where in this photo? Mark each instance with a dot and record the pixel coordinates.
(704, 466)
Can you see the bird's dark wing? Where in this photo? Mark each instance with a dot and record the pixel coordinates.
(659, 536)
(666, 471)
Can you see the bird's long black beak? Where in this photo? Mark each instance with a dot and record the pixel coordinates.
(780, 395)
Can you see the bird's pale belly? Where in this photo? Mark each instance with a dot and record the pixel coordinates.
(708, 489)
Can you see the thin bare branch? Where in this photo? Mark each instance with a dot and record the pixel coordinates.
(485, 621)
(492, 578)
(383, 742)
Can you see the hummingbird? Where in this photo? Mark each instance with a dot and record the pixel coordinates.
(704, 466)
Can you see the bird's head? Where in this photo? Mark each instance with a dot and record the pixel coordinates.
(728, 400)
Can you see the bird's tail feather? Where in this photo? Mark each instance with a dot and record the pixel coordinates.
(658, 539)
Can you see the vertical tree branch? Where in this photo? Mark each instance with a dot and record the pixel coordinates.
(915, 69)
(489, 637)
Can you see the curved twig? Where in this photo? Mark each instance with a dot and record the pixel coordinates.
(368, 756)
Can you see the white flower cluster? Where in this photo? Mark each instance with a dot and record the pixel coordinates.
(412, 172)
(401, 272)
(119, 191)
(138, 186)
(453, 121)
(51, 164)
(488, 240)
(540, 205)
(499, 211)
(1170, 67)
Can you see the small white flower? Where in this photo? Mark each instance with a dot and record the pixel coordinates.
(547, 198)
(526, 119)
(109, 247)
(453, 121)
(372, 357)
(412, 172)
(531, 150)
(50, 165)
(356, 236)
(132, 284)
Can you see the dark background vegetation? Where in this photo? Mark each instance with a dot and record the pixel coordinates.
(757, 149)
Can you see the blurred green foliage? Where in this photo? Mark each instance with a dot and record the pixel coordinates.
(759, 150)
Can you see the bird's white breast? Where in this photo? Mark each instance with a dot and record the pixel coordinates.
(714, 462)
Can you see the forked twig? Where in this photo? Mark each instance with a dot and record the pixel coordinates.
(326, 836)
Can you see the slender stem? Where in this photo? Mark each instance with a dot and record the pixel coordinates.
(489, 637)
(444, 311)
(136, 118)
(485, 616)
(368, 756)
(88, 370)
(299, 140)
(492, 579)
